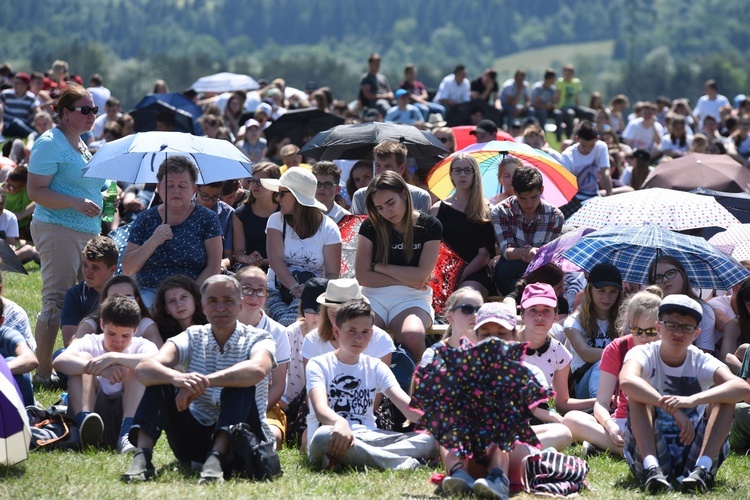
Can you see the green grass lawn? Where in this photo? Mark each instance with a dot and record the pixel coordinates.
(95, 474)
(554, 56)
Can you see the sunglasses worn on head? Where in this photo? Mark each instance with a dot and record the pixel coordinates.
(466, 309)
(637, 332)
(86, 110)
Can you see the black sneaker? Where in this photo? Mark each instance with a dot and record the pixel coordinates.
(141, 469)
(654, 480)
(589, 450)
(91, 430)
(212, 471)
(699, 480)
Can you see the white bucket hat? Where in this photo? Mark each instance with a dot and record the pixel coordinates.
(301, 182)
(340, 291)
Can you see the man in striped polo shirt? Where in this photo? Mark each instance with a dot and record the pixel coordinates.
(222, 382)
(20, 107)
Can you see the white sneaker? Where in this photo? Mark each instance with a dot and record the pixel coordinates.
(124, 446)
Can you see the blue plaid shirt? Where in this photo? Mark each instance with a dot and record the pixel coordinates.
(512, 231)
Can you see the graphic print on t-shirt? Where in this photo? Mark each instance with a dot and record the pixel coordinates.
(588, 179)
(348, 397)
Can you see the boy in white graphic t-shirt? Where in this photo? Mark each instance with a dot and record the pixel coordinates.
(680, 403)
(341, 387)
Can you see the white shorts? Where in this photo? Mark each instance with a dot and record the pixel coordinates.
(389, 301)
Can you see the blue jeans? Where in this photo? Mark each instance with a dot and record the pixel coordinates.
(588, 386)
(24, 384)
(542, 115)
(507, 273)
(429, 109)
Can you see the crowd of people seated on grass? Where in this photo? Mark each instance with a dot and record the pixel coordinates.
(233, 306)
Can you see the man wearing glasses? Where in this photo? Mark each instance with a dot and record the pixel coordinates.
(209, 196)
(329, 178)
(680, 403)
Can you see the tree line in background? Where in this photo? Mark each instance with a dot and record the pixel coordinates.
(661, 48)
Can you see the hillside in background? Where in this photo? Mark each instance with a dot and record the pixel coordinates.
(639, 47)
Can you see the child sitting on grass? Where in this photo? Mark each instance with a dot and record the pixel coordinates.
(341, 387)
(680, 401)
(100, 370)
(21, 359)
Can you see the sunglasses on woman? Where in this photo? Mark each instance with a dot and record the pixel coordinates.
(637, 332)
(466, 309)
(86, 110)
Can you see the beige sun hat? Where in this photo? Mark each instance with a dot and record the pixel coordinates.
(340, 291)
(301, 182)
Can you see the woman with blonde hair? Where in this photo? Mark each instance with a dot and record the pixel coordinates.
(505, 170)
(67, 212)
(465, 216)
(636, 325)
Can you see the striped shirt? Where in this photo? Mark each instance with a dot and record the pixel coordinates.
(18, 107)
(198, 351)
(512, 231)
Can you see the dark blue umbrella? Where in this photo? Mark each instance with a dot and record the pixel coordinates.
(175, 99)
(738, 205)
(145, 118)
(632, 249)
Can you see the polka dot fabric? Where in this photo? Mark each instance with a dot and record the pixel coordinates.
(478, 396)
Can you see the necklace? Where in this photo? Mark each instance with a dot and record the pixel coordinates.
(76, 143)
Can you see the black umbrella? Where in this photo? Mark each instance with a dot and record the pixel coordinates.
(354, 142)
(301, 124)
(8, 259)
(737, 203)
(145, 117)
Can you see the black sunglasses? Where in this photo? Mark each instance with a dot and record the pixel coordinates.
(85, 110)
(467, 309)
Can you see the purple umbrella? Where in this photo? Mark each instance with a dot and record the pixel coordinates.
(14, 424)
(552, 251)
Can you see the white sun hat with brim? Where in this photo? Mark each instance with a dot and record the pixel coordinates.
(301, 182)
(341, 290)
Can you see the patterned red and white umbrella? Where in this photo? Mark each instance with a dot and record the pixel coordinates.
(674, 210)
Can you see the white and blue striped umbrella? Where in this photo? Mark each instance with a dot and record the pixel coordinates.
(632, 249)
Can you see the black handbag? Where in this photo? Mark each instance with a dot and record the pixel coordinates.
(250, 454)
(299, 276)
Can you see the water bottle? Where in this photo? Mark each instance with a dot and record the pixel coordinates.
(108, 212)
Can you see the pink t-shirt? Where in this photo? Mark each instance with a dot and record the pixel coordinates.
(613, 358)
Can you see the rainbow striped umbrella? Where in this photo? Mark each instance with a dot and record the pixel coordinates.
(560, 186)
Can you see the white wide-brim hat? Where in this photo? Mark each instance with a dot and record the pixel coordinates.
(340, 291)
(301, 182)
